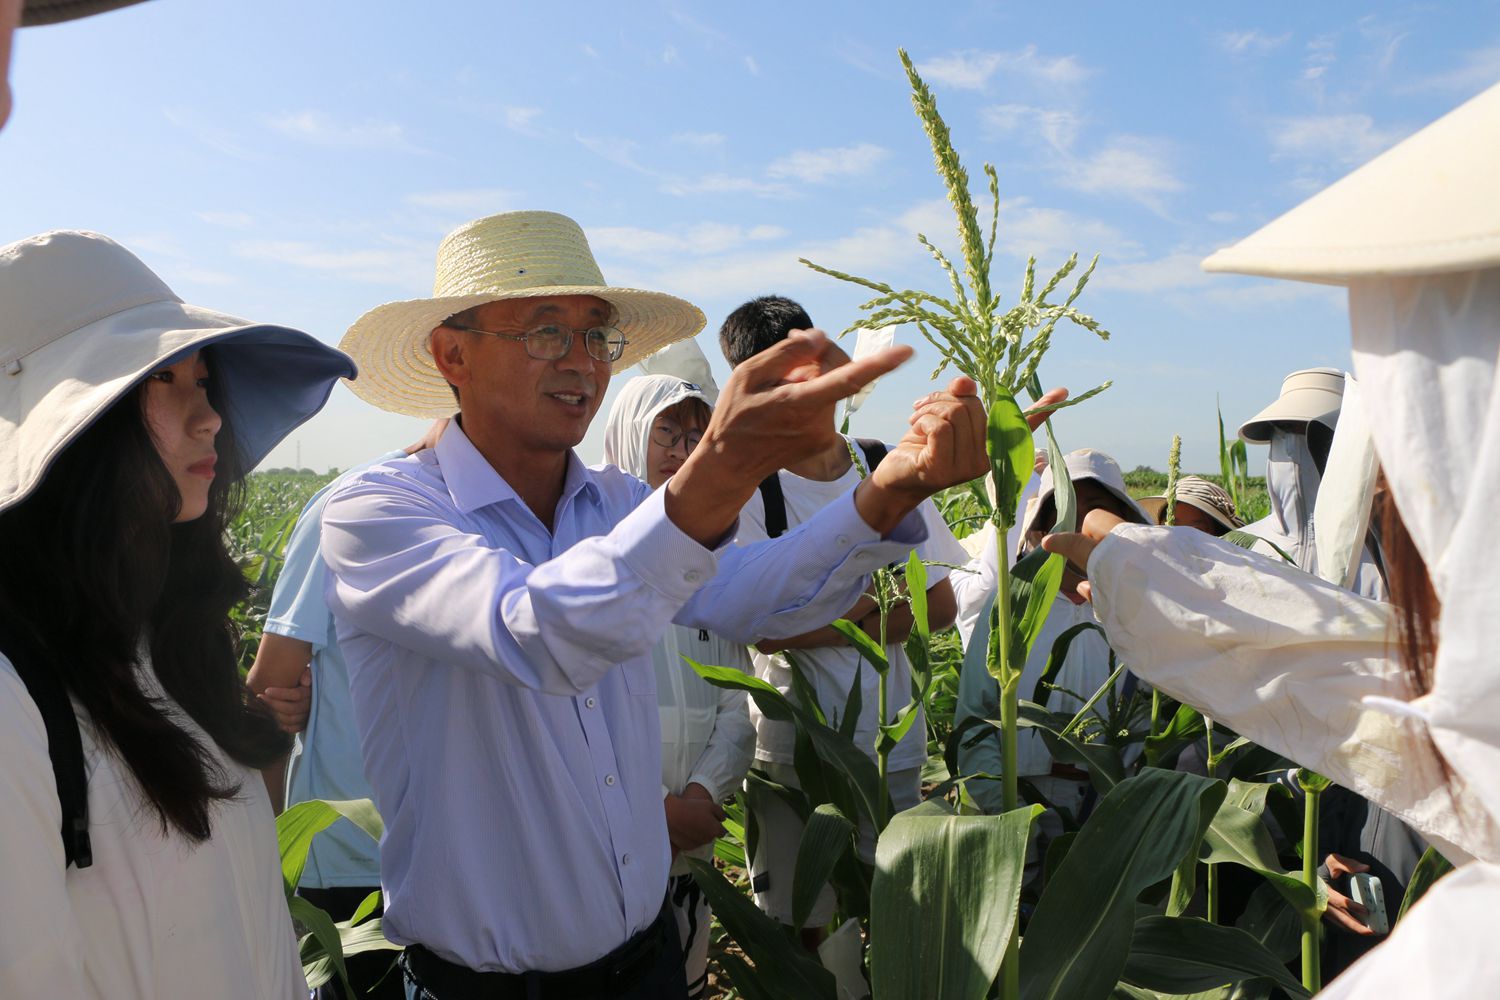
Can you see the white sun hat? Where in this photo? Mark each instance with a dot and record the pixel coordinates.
(1312, 395)
(1085, 463)
(83, 321)
(1427, 206)
(515, 255)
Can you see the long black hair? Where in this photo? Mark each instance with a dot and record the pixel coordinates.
(107, 586)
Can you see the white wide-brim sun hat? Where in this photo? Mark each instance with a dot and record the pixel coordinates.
(83, 321)
(515, 255)
(1312, 395)
(1085, 463)
(1426, 206)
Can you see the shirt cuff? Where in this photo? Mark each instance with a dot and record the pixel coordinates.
(291, 630)
(840, 524)
(713, 790)
(662, 554)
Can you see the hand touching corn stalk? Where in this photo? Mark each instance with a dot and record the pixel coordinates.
(1001, 351)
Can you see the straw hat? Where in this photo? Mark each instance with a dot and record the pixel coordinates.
(1312, 395)
(1425, 206)
(36, 12)
(516, 255)
(83, 321)
(1197, 492)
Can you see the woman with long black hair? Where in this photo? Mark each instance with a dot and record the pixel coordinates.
(141, 862)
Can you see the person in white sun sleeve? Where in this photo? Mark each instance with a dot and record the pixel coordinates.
(707, 740)
(1372, 695)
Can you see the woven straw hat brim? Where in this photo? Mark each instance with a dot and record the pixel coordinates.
(39, 12)
(396, 370)
(1155, 505)
(273, 379)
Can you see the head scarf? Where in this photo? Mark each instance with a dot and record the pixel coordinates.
(627, 429)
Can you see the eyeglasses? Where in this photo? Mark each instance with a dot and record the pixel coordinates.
(667, 437)
(552, 341)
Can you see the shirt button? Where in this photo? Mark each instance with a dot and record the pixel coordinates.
(692, 576)
(625, 860)
(843, 540)
(591, 703)
(609, 779)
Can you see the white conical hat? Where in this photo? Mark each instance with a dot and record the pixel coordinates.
(515, 255)
(1412, 210)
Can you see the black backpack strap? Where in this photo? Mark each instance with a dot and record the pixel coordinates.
(874, 451)
(64, 745)
(774, 501)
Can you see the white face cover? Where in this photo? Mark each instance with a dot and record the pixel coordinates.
(1425, 352)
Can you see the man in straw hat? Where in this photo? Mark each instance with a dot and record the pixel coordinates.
(497, 601)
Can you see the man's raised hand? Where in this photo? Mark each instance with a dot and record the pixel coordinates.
(776, 409)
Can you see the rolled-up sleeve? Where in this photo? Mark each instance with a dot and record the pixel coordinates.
(402, 571)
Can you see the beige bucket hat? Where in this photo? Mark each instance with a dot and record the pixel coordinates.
(1195, 491)
(1312, 395)
(1412, 210)
(516, 255)
(83, 321)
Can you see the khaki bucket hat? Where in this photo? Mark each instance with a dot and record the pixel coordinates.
(83, 321)
(1312, 395)
(516, 255)
(1425, 206)
(1195, 491)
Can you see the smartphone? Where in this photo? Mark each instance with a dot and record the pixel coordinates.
(1366, 890)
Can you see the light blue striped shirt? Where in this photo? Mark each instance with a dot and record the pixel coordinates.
(503, 685)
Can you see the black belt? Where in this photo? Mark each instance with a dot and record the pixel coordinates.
(617, 972)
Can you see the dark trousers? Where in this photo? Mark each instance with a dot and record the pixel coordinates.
(372, 974)
(664, 981)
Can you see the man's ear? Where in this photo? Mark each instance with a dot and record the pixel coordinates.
(449, 353)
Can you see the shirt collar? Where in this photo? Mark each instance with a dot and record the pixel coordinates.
(473, 483)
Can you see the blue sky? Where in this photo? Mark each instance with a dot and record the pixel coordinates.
(299, 162)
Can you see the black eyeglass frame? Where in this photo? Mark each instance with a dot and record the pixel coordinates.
(616, 352)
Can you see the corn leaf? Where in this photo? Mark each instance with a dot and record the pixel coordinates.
(1010, 451)
(296, 827)
(951, 883)
(1430, 868)
(782, 967)
(322, 937)
(1080, 936)
(826, 836)
(1186, 955)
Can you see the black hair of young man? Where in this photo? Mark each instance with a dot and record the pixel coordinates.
(759, 324)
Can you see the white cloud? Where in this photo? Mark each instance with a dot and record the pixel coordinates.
(817, 165)
(971, 69)
(589, 50)
(697, 240)
(669, 54)
(701, 139)
(1058, 126)
(470, 201)
(1174, 272)
(520, 119)
(229, 220)
(399, 263)
(1345, 139)
(725, 184)
(620, 152)
(1252, 42)
(1473, 72)
(1128, 165)
(319, 129)
(1222, 217)
(752, 66)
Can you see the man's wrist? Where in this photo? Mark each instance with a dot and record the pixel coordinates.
(881, 507)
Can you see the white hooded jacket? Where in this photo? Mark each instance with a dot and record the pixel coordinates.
(706, 735)
(1304, 667)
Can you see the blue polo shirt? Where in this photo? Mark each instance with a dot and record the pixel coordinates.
(326, 762)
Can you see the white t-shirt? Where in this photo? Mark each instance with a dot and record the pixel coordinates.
(832, 669)
(155, 915)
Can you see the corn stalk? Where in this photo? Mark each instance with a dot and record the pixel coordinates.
(1000, 350)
